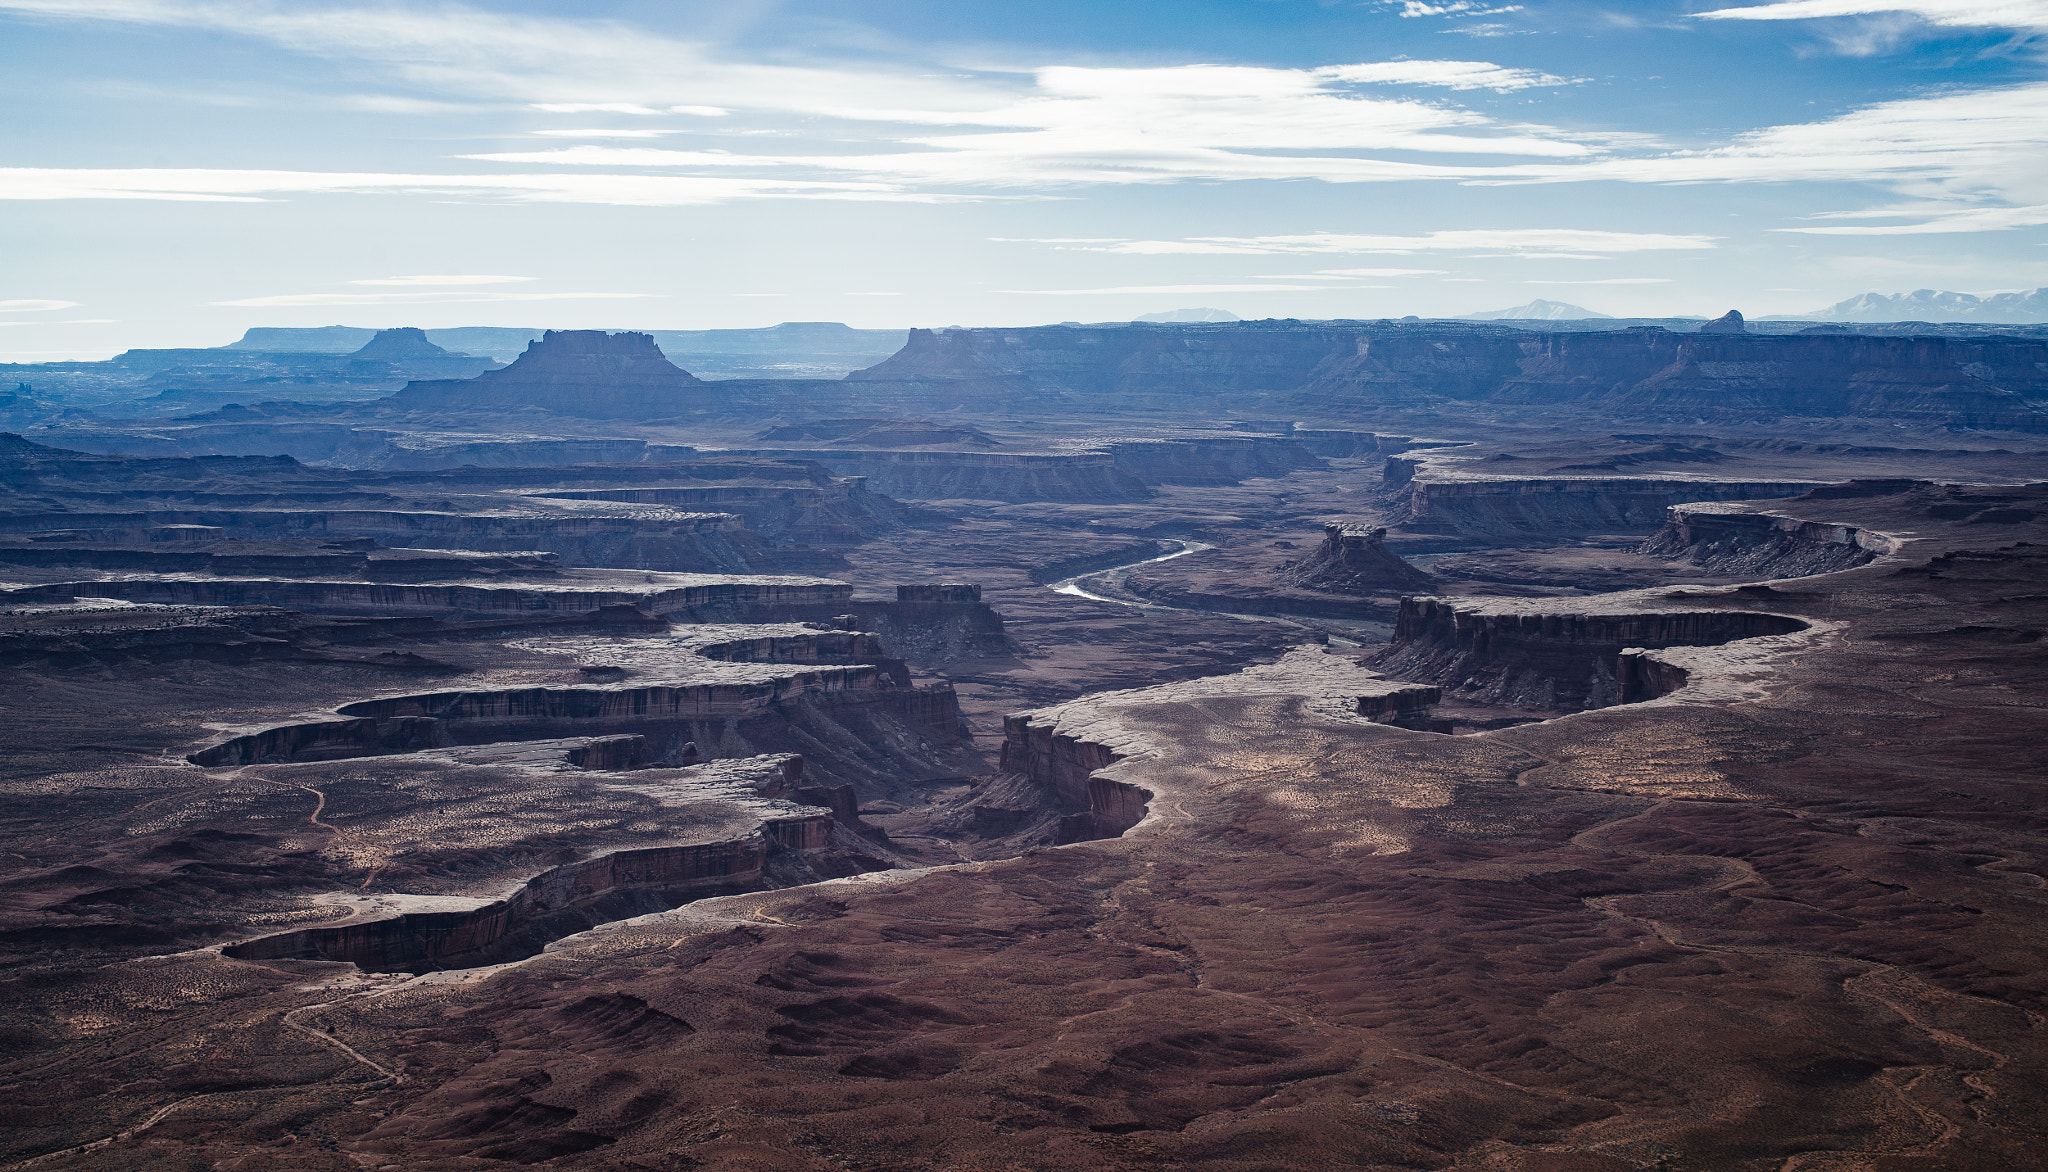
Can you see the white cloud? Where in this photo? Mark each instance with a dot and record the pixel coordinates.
(1510, 240)
(1609, 281)
(1378, 273)
(1161, 125)
(78, 321)
(1969, 150)
(1942, 220)
(428, 279)
(448, 298)
(926, 132)
(1456, 75)
(874, 294)
(1954, 13)
(603, 133)
(1177, 289)
(557, 65)
(33, 305)
(1413, 8)
(217, 186)
(596, 108)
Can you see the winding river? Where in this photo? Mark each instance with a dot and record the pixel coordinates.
(1111, 578)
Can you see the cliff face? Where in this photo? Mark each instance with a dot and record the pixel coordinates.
(1342, 366)
(1507, 506)
(584, 373)
(1739, 540)
(1131, 361)
(1552, 654)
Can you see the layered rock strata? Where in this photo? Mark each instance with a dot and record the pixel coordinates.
(1522, 507)
(581, 592)
(1342, 367)
(1733, 538)
(1554, 654)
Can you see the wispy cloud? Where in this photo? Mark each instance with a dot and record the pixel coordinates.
(1929, 221)
(1415, 8)
(1609, 281)
(217, 186)
(1954, 13)
(1176, 289)
(447, 298)
(1499, 240)
(1456, 75)
(1348, 273)
(602, 132)
(1976, 154)
(34, 305)
(430, 279)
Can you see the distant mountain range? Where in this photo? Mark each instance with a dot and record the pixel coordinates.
(1934, 305)
(1189, 315)
(1537, 310)
(793, 349)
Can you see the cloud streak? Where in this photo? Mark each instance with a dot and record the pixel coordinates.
(1511, 241)
(428, 279)
(1952, 13)
(34, 305)
(1176, 289)
(232, 186)
(287, 300)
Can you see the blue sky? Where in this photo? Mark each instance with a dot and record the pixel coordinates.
(175, 171)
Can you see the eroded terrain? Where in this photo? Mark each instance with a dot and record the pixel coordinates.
(1038, 788)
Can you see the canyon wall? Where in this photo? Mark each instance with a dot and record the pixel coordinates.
(1340, 368)
(1549, 654)
(1521, 507)
(1737, 540)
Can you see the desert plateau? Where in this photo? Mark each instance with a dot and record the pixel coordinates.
(475, 695)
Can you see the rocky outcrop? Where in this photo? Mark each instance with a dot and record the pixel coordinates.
(576, 896)
(687, 595)
(1356, 561)
(645, 538)
(588, 374)
(408, 349)
(1734, 539)
(555, 904)
(1552, 654)
(736, 713)
(1728, 323)
(1521, 507)
(344, 558)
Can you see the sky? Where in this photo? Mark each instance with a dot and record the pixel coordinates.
(173, 172)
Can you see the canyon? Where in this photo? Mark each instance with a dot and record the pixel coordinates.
(1235, 745)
